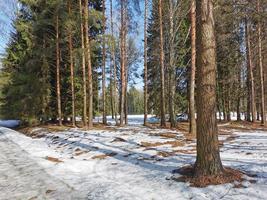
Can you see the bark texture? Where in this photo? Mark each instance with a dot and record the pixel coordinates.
(262, 96)
(145, 64)
(83, 66)
(89, 66)
(192, 127)
(104, 66)
(162, 79)
(208, 162)
(58, 73)
(251, 107)
(71, 69)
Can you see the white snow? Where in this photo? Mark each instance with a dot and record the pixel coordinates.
(131, 171)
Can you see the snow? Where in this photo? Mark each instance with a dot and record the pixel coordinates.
(134, 168)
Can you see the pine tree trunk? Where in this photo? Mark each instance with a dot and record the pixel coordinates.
(83, 66)
(192, 128)
(238, 110)
(58, 73)
(208, 162)
(171, 66)
(104, 66)
(71, 69)
(122, 60)
(145, 63)
(263, 114)
(114, 65)
(89, 66)
(162, 79)
(126, 79)
(250, 76)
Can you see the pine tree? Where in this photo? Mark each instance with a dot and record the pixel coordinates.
(208, 162)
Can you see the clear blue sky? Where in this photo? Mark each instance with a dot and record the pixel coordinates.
(7, 12)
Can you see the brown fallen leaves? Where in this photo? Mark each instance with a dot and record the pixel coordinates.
(228, 176)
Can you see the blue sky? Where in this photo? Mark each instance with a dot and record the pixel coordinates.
(7, 12)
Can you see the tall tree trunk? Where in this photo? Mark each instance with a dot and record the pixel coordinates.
(58, 73)
(263, 114)
(114, 64)
(145, 63)
(208, 162)
(171, 66)
(104, 65)
(162, 79)
(126, 81)
(83, 66)
(89, 66)
(192, 128)
(250, 76)
(71, 69)
(122, 60)
(238, 110)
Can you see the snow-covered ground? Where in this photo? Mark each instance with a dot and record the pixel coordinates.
(121, 163)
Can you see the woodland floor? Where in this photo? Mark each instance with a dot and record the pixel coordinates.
(126, 163)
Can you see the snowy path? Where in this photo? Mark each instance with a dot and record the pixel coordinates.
(129, 163)
(23, 178)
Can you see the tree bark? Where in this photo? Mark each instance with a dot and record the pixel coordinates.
(89, 66)
(104, 66)
(71, 69)
(208, 162)
(162, 79)
(171, 66)
(114, 64)
(145, 64)
(83, 66)
(122, 60)
(263, 114)
(58, 72)
(192, 128)
(251, 87)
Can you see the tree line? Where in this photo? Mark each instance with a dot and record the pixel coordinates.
(78, 58)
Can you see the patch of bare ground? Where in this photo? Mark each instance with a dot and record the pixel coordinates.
(79, 152)
(228, 176)
(118, 139)
(52, 159)
(175, 143)
(244, 126)
(164, 135)
(103, 156)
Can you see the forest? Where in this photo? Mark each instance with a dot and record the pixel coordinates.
(172, 91)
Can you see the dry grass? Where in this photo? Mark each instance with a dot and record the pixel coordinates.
(174, 143)
(52, 159)
(118, 139)
(103, 156)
